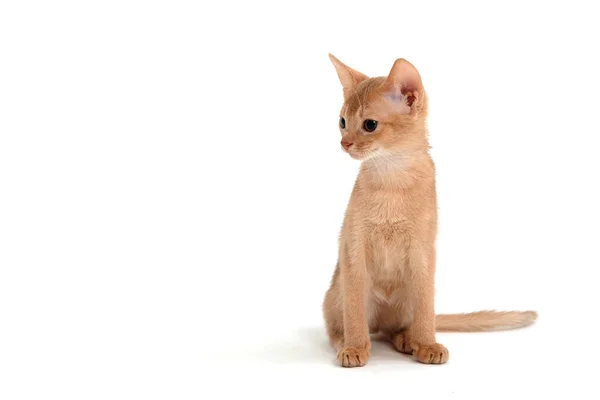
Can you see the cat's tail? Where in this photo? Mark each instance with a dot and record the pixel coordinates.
(482, 321)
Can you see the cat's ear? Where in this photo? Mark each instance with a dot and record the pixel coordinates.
(403, 83)
(349, 77)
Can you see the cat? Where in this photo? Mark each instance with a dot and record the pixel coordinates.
(384, 278)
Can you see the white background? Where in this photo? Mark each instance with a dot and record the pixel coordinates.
(172, 187)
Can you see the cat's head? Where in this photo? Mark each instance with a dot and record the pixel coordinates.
(382, 116)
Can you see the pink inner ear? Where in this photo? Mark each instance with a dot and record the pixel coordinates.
(404, 81)
(404, 96)
(396, 103)
(395, 97)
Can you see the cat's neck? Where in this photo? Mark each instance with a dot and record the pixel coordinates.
(397, 170)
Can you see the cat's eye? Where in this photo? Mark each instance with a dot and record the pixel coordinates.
(342, 122)
(370, 125)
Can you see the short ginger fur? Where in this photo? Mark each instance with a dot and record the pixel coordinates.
(384, 278)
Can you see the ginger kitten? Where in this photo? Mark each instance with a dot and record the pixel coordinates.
(384, 279)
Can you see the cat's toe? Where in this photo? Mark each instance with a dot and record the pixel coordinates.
(350, 357)
(432, 354)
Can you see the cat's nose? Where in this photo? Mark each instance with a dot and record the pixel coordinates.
(346, 143)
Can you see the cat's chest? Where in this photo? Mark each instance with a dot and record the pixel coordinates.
(386, 221)
(389, 233)
(388, 244)
(386, 210)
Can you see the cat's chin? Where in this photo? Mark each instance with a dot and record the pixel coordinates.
(362, 155)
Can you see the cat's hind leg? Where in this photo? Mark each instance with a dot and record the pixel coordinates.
(401, 342)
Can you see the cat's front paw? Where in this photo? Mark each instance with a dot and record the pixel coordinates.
(352, 357)
(431, 353)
